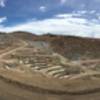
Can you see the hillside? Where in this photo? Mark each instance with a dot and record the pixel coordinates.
(69, 46)
(23, 35)
(51, 66)
(76, 47)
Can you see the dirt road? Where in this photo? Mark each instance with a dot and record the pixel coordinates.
(13, 50)
(11, 92)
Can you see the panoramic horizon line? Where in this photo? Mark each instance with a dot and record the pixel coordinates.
(49, 33)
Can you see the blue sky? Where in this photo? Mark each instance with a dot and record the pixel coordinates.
(69, 17)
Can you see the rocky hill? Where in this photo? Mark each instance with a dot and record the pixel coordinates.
(69, 46)
(50, 64)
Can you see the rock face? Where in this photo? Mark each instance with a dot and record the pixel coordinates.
(60, 63)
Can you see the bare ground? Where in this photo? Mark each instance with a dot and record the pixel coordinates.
(11, 92)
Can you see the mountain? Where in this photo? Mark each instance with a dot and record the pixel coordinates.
(23, 35)
(53, 66)
(71, 47)
(8, 41)
(76, 47)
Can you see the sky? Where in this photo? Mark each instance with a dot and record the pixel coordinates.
(64, 17)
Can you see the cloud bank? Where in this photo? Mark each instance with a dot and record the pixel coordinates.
(64, 24)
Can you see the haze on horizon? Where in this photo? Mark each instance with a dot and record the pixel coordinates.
(74, 17)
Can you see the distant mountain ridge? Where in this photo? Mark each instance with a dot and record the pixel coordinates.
(71, 47)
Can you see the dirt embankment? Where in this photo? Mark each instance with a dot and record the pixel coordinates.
(48, 91)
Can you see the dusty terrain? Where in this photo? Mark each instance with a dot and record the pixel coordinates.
(49, 67)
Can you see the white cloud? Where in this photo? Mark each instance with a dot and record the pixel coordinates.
(92, 11)
(2, 19)
(63, 1)
(64, 15)
(42, 8)
(65, 25)
(74, 13)
(82, 12)
(2, 3)
(72, 19)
